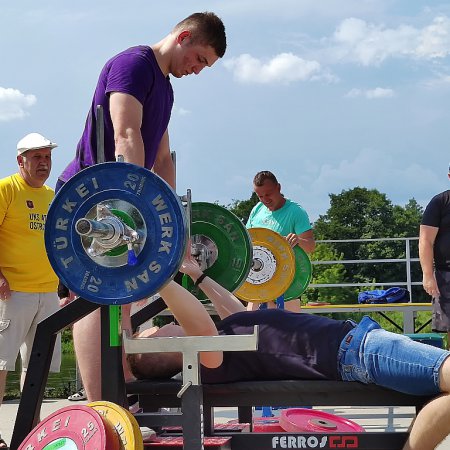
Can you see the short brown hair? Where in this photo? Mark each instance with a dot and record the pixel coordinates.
(154, 366)
(261, 177)
(206, 29)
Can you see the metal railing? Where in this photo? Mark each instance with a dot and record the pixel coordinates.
(407, 260)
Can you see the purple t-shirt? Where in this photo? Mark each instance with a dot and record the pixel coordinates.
(291, 346)
(135, 71)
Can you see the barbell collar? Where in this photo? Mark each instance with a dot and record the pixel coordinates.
(95, 228)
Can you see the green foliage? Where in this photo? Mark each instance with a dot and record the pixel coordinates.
(67, 341)
(361, 213)
(328, 274)
(243, 208)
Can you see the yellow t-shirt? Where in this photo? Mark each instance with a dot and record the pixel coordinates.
(23, 259)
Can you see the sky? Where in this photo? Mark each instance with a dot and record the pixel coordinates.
(328, 94)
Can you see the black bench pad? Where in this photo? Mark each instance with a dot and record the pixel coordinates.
(282, 393)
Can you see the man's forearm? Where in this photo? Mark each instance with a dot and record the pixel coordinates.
(308, 245)
(167, 172)
(188, 311)
(224, 301)
(131, 147)
(426, 257)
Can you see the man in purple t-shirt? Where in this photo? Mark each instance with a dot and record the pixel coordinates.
(135, 92)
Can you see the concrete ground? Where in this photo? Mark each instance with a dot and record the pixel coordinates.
(372, 419)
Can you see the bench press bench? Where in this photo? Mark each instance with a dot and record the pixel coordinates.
(246, 394)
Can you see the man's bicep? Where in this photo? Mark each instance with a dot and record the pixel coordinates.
(125, 111)
(428, 233)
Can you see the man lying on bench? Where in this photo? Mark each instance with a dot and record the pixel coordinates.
(303, 346)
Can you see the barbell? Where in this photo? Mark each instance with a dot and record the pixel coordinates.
(117, 233)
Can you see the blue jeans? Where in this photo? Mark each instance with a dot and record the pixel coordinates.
(370, 354)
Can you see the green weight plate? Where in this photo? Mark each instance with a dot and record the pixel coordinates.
(220, 234)
(302, 277)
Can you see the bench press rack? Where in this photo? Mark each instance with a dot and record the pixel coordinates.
(243, 395)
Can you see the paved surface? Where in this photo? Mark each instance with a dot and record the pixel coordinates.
(372, 419)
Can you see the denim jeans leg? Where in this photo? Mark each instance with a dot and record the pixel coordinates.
(350, 357)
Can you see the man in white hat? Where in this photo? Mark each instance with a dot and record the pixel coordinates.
(28, 285)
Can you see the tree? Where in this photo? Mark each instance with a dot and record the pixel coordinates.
(360, 213)
(327, 274)
(242, 208)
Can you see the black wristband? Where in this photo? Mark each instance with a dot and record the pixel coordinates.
(200, 279)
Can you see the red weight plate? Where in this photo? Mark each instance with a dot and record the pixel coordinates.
(71, 428)
(267, 425)
(312, 421)
(177, 441)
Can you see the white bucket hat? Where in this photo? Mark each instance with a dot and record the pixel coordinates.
(34, 141)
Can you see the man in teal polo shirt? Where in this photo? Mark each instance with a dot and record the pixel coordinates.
(278, 213)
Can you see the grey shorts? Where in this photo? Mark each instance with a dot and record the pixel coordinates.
(441, 305)
(19, 317)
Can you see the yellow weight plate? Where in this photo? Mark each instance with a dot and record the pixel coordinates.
(272, 269)
(134, 423)
(124, 423)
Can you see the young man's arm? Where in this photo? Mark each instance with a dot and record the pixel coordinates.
(304, 240)
(224, 301)
(126, 115)
(164, 166)
(192, 317)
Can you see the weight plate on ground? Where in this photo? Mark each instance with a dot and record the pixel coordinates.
(85, 230)
(273, 267)
(221, 244)
(302, 277)
(301, 420)
(124, 423)
(72, 428)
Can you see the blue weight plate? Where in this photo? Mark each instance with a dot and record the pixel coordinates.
(137, 197)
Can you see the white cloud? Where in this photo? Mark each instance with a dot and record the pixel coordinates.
(14, 104)
(371, 93)
(300, 9)
(440, 80)
(283, 68)
(370, 44)
(179, 111)
(372, 169)
(434, 40)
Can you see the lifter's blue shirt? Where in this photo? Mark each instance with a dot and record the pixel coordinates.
(290, 346)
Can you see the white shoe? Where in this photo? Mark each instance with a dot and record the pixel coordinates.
(147, 434)
(80, 395)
